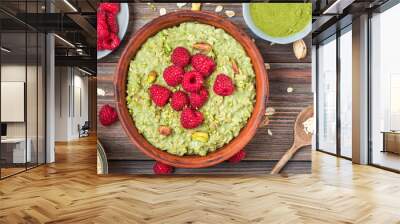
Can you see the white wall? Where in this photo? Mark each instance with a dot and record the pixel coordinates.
(71, 102)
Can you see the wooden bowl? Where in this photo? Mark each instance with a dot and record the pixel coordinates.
(120, 81)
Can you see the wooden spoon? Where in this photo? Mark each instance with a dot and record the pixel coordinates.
(301, 139)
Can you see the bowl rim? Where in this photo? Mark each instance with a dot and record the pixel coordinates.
(279, 40)
(121, 74)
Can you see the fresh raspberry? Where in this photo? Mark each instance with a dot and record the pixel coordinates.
(161, 168)
(112, 8)
(173, 75)
(107, 115)
(112, 22)
(179, 100)
(191, 118)
(102, 27)
(197, 100)
(223, 85)
(111, 42)
(203, 64)
(180, 56)
(159, 94)
(192, 81)
(237, 157)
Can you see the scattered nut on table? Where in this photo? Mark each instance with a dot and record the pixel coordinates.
(289, 89)
(219, 8)
(180, 5)
(196, 6)
(101, 92)
(269, 132)
(229, 13)
(163, 11)
(265, 122)
(300, 49)
(269, 111)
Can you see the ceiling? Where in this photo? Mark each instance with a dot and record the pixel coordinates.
(332, 15)
(72, 20)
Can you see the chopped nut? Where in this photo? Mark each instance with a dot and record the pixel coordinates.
(234, 66)
(196, 6)
(269, 111)
(152, 77)
(265, 122)
(180, 5)
(165, 130)
(163, 11)
(289, 89)
(229, 13)
(267, 66)
(202, 46)
(200, 136)
(269, 132)
(300, 49)
(219, 8)
(101, 92)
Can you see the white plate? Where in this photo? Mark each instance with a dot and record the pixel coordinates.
(262, 35)
(123, 21)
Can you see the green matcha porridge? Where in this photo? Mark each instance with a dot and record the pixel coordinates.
(224, 116)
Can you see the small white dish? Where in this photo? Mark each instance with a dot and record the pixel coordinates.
(262, 35)
(123, 21)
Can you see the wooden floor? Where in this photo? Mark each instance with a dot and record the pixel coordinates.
(69, 191)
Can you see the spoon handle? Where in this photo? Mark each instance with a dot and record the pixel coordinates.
(285, 158)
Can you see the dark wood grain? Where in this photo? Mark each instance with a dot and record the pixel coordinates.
(263, 150)
(244, 167)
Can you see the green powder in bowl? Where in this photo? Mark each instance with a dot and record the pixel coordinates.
(281, 19)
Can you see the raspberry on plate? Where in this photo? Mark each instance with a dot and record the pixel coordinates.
(191, 118)
(192, 81)
(203, 64)
(197, 100)
(173, 75)
(223, 85)
(179, 100)
(180, 56)
(111, 42)
(102, 27)
(100, 45)
(112, 8)
(112, 23)
(159, 95)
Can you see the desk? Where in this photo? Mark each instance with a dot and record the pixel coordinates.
(18, 149)
(391, 141)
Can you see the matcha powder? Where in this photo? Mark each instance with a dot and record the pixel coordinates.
(281, 19)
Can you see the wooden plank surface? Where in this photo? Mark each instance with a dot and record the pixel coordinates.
(285, 71)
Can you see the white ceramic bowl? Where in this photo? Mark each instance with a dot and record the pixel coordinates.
(123, 21)
(262, 35)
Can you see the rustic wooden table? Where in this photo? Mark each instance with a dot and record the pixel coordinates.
(265, 149)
